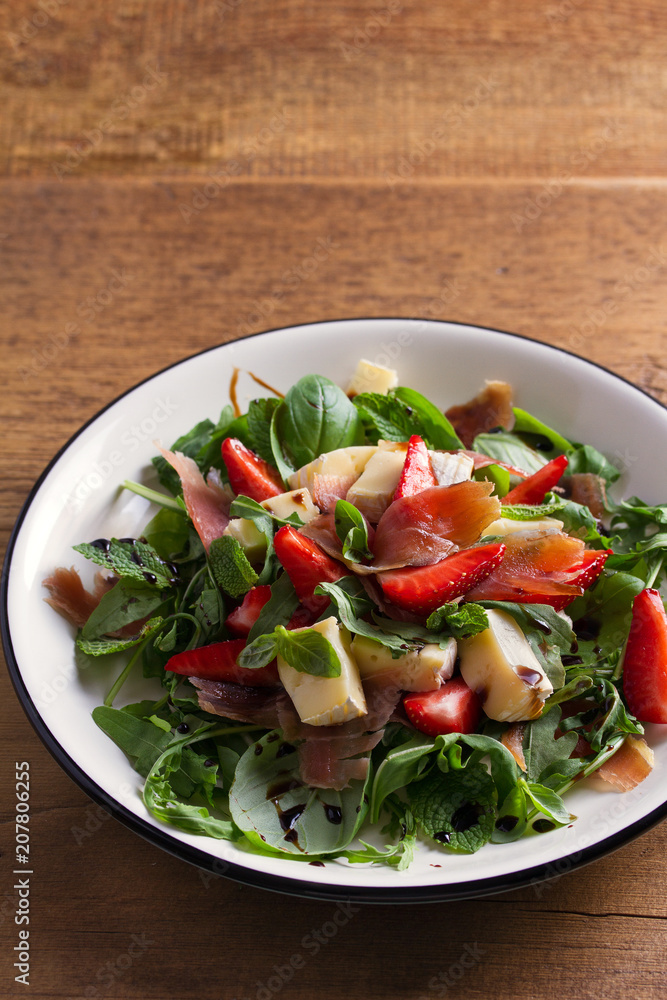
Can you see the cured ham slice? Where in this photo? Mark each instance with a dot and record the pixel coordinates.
(588, 489)
(537, 565)
(207, 502)
(69, 597)
(252, 705)
(328, 489)
(631, 763)
(429, 526)
(492, 407)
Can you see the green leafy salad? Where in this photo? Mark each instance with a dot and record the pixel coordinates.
(368, 615)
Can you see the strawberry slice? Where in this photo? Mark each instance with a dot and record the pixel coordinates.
(249, 475)
(645, 659)
(417, 474)
(217, 662)
(534, 489)
(242, 619)
(453, 708)
(422, 589)
(306, 565)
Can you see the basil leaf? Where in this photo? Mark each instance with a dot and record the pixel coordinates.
(279, 608)
(352, 531)
(526, 423)
(585, 458)
(168, 533)
(494, 474)
(258, 653)
(438, 430)
(307, 651)
(260, 414)
(317, 417)
(548, 802)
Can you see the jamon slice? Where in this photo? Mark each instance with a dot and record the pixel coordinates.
(492, 407)
(537, 567)
(207, 503)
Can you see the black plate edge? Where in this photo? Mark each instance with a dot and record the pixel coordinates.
(278, 883)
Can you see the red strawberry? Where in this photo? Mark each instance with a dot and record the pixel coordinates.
(454, 708)
(534, 489)
(306, 565)
(249, 475)
(217, 662)
(645, 659)
(417, 474)
(422, 589)
(242, 619)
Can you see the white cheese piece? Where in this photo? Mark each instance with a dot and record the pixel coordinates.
(508, 525)
(451, 468)
(343, 462)
(295, 502)
(500, 666)
(417, 670)
(369, 377)
(249, 538)
(326, 701)
(374, 489)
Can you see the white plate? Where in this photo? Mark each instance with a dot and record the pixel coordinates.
(77, 498)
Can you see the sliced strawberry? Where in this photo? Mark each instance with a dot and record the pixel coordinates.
(242, 619)
(250, 475)
(422, 589)
(217, 662)
(645, 659)
(589, 571)
(417, 474)
(453, 708)
(537, 568)
(306, 565)
(534, 489)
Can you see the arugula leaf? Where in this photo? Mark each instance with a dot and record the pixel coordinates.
(350, 605)
(494, 474)
(400, 767)
(308, 651)
(602, 615)
(142, 741)
(127, 602)
(512, 819)
(134, 560)
(606, 719)
(230, 567)
(269, 800)
(540, 746)
(278, 609)
(586, 458)
(352, 531)
(461, 620)
(168, 533)
(456, 808)
(510, 449)
(315, 417)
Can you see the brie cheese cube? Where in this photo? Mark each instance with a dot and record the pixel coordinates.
(449, 469)
(326, 701)
(249, 538)
(295, 502)
(508, 525)
(374, 489)
(343, 463)
(416, 670)
(502, 669)
(369, 377)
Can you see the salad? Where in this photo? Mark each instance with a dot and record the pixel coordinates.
(372, 619)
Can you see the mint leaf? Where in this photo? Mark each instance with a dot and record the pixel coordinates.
(456, 808)
(230, 567)
(308, 651)
(461, 620)
(100, 647)
(438, 430)
(132, 560)
(352, 531)
(403, 412)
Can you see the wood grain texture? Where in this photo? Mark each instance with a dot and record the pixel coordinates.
(145, 217)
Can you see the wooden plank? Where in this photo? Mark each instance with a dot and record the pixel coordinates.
(494, 90)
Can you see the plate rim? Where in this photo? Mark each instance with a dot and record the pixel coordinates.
(290, 885)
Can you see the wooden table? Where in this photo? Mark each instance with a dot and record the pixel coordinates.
(166, 167)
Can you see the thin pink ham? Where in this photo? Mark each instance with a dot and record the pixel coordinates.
(207, 502)
(492, 407)
(69, 597)
(327, 490)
